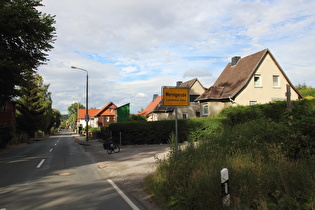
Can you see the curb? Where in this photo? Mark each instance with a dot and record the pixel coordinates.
(77, 140)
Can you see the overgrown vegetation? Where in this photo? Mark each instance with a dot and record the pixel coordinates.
(268, 151)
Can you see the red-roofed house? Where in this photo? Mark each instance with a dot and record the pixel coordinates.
(99, 117)
(81, 117)
(106, 115)
(254, 79)
(147, 112)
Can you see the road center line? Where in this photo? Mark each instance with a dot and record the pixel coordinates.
(131, 204)
(49, 151)
(41, 163)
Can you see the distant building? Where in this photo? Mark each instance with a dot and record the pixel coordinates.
(98, 117)
(155, 111)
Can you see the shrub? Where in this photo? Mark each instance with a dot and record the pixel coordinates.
(269, 153)
(143, 132)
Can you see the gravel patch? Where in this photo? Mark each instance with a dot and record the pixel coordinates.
(129, 167)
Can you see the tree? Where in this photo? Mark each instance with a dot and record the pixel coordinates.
(306, 91)
(73, 113)
(25, 36)
(34, 110)
(73, 108)
(55, 121)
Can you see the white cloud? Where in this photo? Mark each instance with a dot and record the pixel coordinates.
(197, 73)
(133, 47)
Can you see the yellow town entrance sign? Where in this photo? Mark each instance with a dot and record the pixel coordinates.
(175, 96)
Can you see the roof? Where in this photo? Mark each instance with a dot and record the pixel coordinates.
(189, 83)
(91, 112)
(235, 78)
(103, 109)
(160, 108)
(151, 106)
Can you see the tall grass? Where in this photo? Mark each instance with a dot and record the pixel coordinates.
(264, 168)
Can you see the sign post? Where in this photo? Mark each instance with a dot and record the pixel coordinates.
(225, 187)
(175, 96)
(288, 95)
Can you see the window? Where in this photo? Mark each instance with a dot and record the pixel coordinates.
(197, 114)
(252, 102)
(257, 80)
(185, 115)
(4, 108)
(205, 109)
(276, 81)
(192, 98)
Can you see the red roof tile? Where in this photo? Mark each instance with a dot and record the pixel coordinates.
(107, 109)
(91, 112)
(150, 107)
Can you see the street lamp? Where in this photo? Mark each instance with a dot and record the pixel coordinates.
(87, 102)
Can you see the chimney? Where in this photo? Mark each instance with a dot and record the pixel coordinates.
(178, 83)
(155, 96)
(235, 59)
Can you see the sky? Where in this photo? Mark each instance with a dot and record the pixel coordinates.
(131, 48)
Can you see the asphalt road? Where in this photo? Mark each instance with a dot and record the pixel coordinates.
(56, 173)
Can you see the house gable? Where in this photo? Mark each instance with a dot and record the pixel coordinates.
(235, 78)
(108, 109)
(266, 84)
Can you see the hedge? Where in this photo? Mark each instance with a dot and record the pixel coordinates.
(158, 132)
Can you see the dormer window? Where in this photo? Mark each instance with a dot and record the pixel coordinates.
(257, 80)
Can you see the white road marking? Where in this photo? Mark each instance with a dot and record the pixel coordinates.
(49, 151)
(41, 163)
(55, 144)
(131, 204)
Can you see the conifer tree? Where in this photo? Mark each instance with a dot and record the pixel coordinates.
(34, 110)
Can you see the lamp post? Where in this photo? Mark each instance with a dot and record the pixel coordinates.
(87, 102)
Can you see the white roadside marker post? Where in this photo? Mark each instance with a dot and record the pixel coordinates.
(225, 187)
